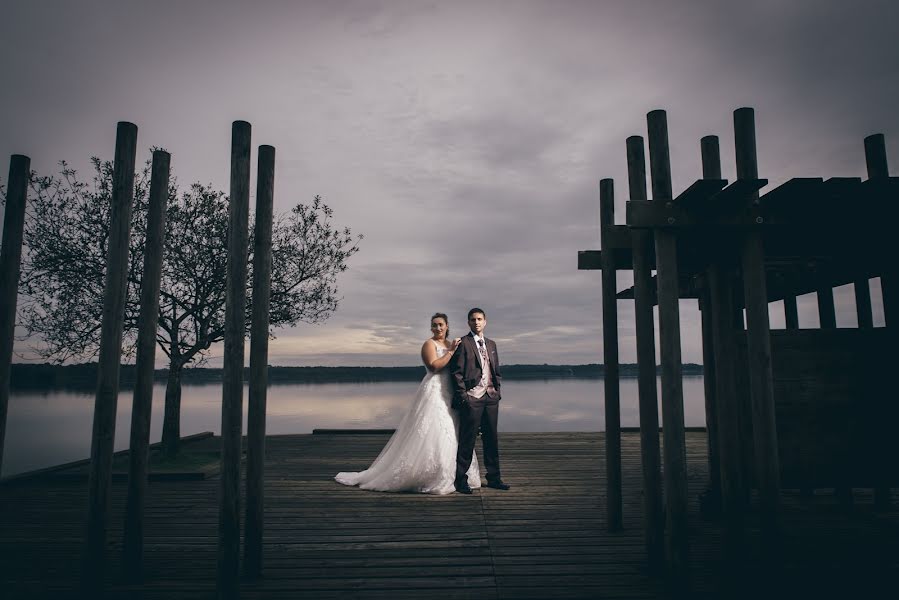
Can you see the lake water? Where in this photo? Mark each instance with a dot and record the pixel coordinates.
(51, 427)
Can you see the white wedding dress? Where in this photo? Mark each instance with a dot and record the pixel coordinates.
(421, 454)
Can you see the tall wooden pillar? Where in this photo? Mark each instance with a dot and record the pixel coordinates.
(142, 403)
(791, 312)
(610, 359)
(878, 169)
(232, 373)
(262, 283)
(758, 341)
(711, 169)
(675, 470)
(729, 423)
(10, 268)
(650, 451)
(106, 399)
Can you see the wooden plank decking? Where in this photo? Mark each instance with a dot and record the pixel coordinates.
(545, 538)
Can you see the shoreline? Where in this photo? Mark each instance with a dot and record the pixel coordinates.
(45, 376)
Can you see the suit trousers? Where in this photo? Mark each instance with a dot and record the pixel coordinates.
(480, 412)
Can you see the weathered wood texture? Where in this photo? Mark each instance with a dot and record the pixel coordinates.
(611, 384)
(262, 282)
(233, 362)
(142, 402)
(711, 169)
(758, 364)
(674, 454)
(110, 355)
(879, 171)
(545, 538)
(644, 292)
(10, 267)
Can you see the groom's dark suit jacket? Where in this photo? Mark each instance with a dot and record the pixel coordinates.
(466, 372)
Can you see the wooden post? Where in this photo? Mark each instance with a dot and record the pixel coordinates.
(758, 341)
(650, 452)
(876, 161)
(827, 313)
(729, 424)
(827, 319)
(10, 267)
(711, 169)
(674, 448)
(138, 456)
(232, 373)
(262, 280)
(791, 312)
(103, 440)
(610, 359)
(723, 327)
(863, 304)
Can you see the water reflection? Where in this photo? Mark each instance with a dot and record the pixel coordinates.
(52, 427)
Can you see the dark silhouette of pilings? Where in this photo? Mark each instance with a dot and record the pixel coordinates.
(711, 169)
(675, 472)
(99, 479)
(758, 341)
(232, 374)
(878, 170)
(133, 544)
(10, 267)
(650, 451)
(262, 278)
(610, 360)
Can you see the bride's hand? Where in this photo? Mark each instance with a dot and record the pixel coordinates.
(455, 344)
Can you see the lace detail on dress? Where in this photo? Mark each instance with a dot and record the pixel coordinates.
(421, 454)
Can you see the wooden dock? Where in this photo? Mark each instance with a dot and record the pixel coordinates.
(545, 538)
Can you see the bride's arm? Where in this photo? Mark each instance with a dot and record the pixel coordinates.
(429, 355)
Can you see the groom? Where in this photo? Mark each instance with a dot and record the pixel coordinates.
(476, 380)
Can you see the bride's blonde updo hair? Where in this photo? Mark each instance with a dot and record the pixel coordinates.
(445, 320)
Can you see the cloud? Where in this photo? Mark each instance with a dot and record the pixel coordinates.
(465, 140)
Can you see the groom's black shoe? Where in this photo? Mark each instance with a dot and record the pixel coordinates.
(498, 485)
(463, 488)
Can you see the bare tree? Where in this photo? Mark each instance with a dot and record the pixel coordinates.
(63, 266)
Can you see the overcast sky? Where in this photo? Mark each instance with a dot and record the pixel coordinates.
(465, 140)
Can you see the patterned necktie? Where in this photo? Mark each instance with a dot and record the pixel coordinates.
(483, 351)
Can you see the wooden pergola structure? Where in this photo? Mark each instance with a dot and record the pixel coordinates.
(792, 408)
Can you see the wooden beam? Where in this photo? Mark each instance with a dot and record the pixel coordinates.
(228, 563)
(675, 470)
(10, 269)
(729, 427)
(106, 399)
(615, 236)
(671, 214)
(644, 299)
(739, 194)
(142, 400)
(591, 260)
(697, 196)
(758, 338)
(796, 189)
(791, 312)
(711, 171)
(879, 179)
(610, 360)
(262, 283)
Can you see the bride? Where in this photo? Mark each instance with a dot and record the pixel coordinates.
(421, 454)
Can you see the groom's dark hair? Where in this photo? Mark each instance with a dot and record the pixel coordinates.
(476, 310)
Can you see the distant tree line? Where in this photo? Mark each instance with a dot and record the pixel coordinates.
(83, 376)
